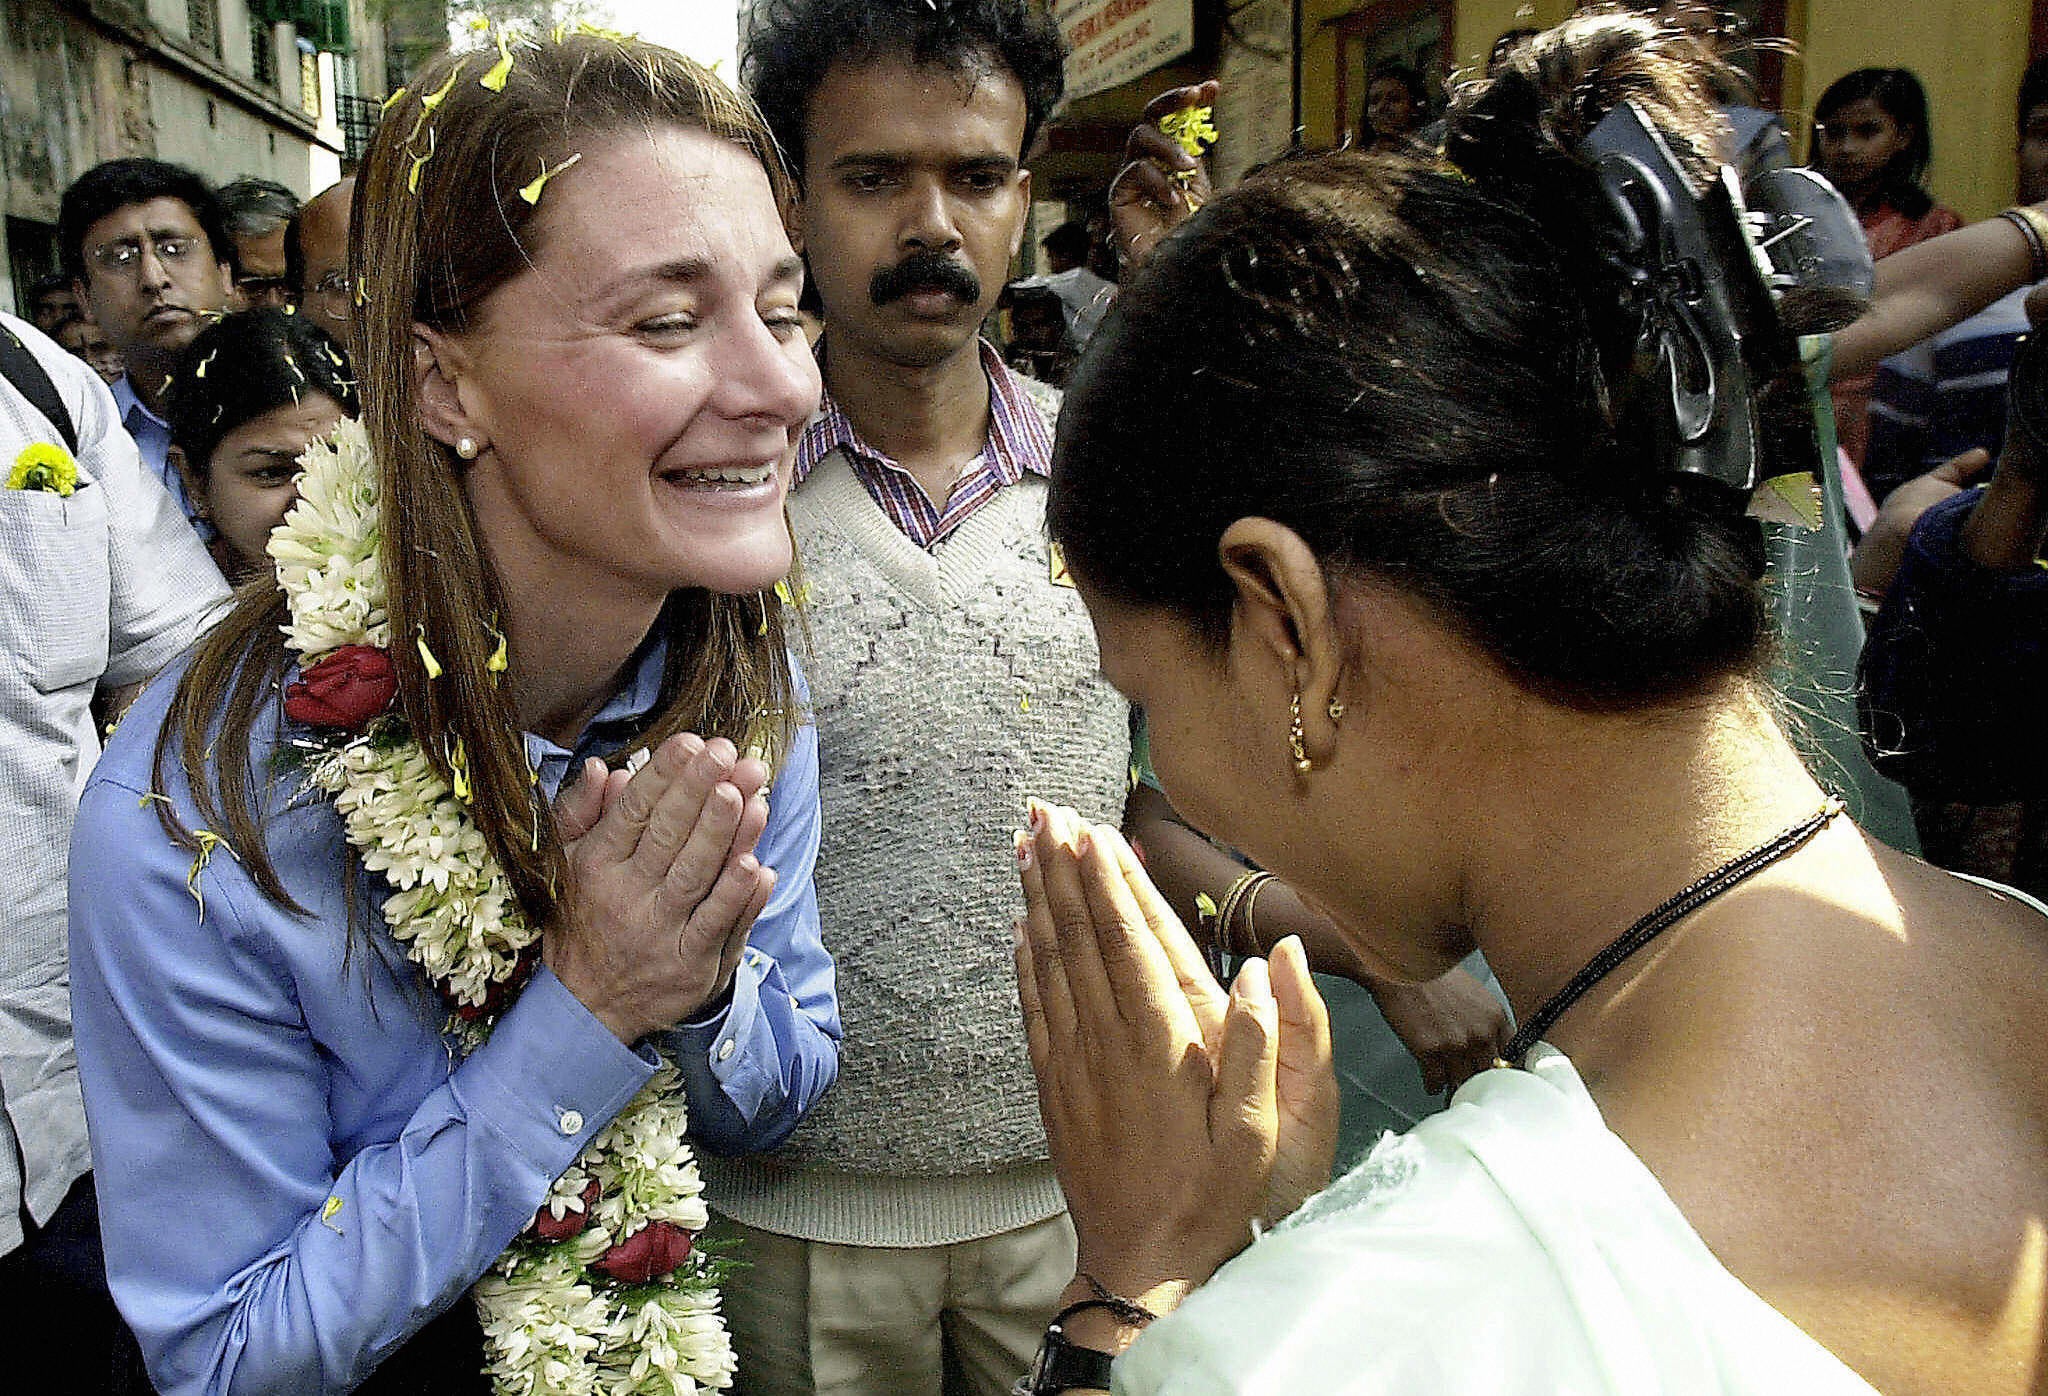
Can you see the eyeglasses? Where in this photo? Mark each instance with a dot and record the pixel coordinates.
(263, 288)
(124, 255)
(331, 290)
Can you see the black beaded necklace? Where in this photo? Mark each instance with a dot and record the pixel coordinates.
(1735, 870)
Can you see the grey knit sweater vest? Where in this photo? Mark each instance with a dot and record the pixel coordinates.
(947, 686)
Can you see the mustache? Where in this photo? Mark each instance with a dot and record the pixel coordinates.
(924, 271)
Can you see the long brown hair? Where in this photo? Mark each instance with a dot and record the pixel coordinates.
(438, 224)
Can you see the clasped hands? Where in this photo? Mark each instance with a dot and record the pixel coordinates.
(1177, 1113)
(663, 883)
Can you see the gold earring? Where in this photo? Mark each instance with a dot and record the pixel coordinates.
(1297, 740)
(1336, 711)
(466, 447)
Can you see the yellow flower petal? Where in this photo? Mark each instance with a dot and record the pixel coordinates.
(531, 192)
(427, 655)
(435, 98)
(45, 466)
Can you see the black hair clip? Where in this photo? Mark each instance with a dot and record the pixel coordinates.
(1710, 279)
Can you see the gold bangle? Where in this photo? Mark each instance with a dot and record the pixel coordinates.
(2034, 223)
(1251, 903)
(1242, 890)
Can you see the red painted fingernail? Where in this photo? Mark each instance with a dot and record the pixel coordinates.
(1024, 850)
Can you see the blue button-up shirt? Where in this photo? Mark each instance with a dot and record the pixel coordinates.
(153, 439)
(294, 1172)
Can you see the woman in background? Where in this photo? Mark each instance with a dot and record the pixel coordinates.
(251, 393)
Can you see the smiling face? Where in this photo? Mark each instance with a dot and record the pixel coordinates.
(914, 203)
(157, 299)
(249, 481)
(639, 387)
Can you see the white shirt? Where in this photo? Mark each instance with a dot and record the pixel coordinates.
(104, 586)
(1511, 1246)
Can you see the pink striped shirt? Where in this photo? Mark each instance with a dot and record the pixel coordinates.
(1018, 440)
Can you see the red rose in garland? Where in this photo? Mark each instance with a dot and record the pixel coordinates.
(648, 1254)
(345, 689)
(550, 1227)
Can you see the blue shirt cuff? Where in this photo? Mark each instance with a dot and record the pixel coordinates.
(550, 1076)
(746, 1070)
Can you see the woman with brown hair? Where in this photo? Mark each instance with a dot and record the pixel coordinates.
(367, 1016)
(1456, 630)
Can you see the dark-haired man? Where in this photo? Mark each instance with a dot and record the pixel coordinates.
(51, 302)
(148, 252)
(257, 211)
(913, 1224)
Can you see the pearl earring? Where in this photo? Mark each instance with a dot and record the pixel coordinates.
(466, 447)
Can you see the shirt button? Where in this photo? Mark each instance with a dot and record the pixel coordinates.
(571, 1122)
(725, 1049)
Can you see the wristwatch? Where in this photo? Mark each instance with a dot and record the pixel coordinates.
(1063, 1366)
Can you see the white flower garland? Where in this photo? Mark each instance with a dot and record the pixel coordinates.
(553, 1324)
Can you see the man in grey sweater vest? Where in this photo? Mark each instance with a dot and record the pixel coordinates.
(911, 1236)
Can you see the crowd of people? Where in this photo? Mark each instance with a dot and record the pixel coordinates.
(702, 789)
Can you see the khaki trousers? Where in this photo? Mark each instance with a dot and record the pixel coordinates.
(813, 1319)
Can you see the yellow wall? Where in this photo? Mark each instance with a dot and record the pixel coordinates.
(1969, 53)
(1477, 23)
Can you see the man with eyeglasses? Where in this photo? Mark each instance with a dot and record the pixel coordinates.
(258, 211)
(147, 247)
(316, 260)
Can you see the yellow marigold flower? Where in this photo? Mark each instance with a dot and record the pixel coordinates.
(1191, 129)
(43, 466)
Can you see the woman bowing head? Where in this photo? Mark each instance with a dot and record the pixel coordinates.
(1388, 505)
(462, 832)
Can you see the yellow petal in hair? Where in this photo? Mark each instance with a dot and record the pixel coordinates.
(500, 660)
(435, 98)
(531, 192)
(458, 766)
(1793, 500)
(412, 176)
(392, 100)
(45, 466)
(432, 664)
(494, 80)
(200, 372)
(1205, 906)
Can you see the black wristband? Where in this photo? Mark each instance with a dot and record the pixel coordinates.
(1062, 1366)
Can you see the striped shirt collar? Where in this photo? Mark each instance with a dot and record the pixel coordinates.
(1018, 438)
(1018, 441)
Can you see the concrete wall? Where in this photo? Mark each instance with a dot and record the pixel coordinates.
(74, 93)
